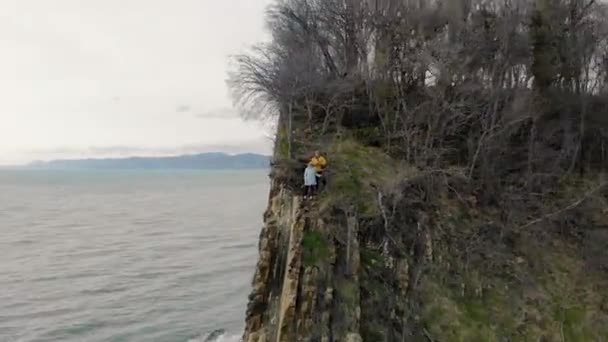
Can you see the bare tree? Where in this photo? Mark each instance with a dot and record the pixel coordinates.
(447, 81)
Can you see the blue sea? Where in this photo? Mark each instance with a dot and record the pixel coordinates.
(127, 255)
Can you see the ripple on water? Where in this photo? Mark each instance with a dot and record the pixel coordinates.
(127, 257)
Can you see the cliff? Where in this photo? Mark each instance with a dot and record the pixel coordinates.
(391, 253)
(466, 196)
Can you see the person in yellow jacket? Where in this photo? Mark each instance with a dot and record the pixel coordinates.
(320, 163)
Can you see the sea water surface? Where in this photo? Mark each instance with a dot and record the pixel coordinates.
(127, 255)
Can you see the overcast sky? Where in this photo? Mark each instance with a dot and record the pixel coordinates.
(122, 77)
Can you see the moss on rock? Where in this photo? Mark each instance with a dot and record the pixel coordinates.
(315, 248)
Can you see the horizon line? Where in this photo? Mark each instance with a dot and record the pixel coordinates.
(133, 156)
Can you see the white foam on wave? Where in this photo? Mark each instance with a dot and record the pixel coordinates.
(221, 338)
(229, 338)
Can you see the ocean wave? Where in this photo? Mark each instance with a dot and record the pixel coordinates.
(218, 335)
(145, 258)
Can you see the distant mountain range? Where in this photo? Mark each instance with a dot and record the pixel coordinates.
(215, 161)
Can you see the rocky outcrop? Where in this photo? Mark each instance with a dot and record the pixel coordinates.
(415, 271)
(297, 293)
(307, 285)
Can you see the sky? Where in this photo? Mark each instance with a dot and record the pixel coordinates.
(100, 78)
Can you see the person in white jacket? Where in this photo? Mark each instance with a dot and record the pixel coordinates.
(310, 180)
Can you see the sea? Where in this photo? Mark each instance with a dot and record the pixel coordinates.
(114, 256)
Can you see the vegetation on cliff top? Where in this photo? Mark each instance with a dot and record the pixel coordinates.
(470, 139)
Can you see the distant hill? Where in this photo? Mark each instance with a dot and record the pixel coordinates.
(196, 161)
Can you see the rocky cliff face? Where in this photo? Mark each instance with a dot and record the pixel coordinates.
(422, 261)
(314, 280)
(294, 296)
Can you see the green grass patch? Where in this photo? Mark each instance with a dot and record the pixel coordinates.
(562, 307)
(316, 249)
(572, 322)
(370, 258)
(449, 318)
(356, 172)
(348, 292)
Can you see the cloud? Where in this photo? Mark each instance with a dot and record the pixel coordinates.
(183, 109)
(118, 84)
(226, 113)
